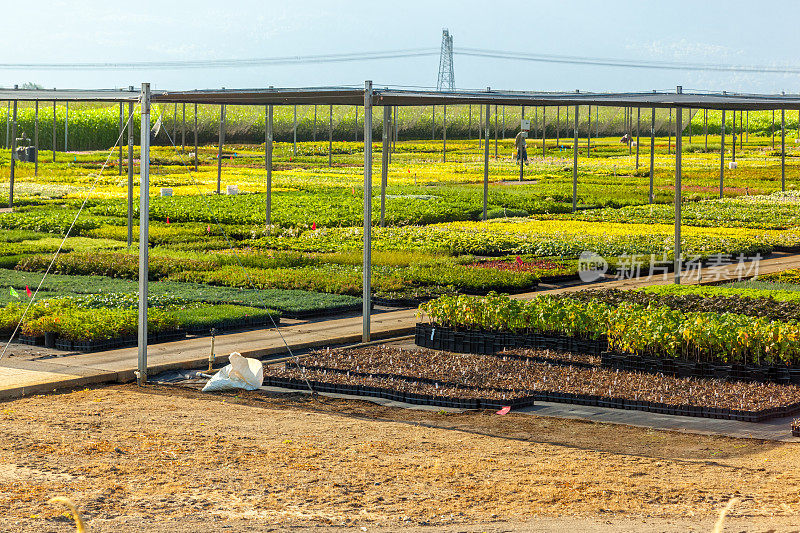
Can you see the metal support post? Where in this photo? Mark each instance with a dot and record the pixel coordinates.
(630, 130)
(625, 122)
(66, 127)
(121, 132)
(783, 150)
(689, 111)
(504, 122)
(575, 165)
(444, 135)
(558, 127)
(652, 148)
(433, 123)
(544, 132)
(144, 232)
(294, 132)
(678, 195)
(391, 133)
(314, 133)
(480, 127)
(669, 133)
(130, 174)
(495, 132)
(219, 149)
(589, 134)
(705, 127)
(330, 135)
(773, 129)
(13, 156)
(519, 156)
(356, 124)
(486, 162)
(396, 128)
(638, 127)
(268, 146)
(36, 138)
(196, 156)
(741, 132)
(54, 131)
(597, 122)
(367, 263)
(183, 128)
(722, 156)
(733, 136)
(387, 117)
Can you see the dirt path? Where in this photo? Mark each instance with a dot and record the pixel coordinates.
(165, 459)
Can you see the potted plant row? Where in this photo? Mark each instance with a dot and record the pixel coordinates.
(701, 369)
(462, 399)
(514, 374)
(490, 342)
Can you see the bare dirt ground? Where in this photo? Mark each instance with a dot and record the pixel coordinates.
(174, 460)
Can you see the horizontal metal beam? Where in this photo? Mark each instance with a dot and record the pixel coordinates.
(659, 100)
(311, 96)
(70, 95)
(403, 97)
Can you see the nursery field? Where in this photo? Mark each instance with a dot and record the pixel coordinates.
(216, 263)
(728, 351)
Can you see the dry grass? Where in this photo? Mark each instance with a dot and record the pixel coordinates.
(182, 457)
(721, 520)
(81, 527)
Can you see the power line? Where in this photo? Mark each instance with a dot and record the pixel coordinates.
(403, 54)
(225, 63)
(623, 63)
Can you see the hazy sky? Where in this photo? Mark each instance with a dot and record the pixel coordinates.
(736, 32)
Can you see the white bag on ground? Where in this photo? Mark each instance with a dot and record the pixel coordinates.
(241, 373)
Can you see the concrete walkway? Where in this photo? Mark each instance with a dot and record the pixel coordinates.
(709, 276)
(777, 429)
(23, 377)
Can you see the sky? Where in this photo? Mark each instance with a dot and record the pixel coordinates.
(730, 32)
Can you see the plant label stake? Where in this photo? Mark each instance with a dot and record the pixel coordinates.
(212, 356)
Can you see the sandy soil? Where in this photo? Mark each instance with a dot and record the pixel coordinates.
(174, 460)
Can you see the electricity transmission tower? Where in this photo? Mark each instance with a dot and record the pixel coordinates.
(447, 80)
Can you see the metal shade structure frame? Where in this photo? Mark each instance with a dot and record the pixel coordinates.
(369, 97)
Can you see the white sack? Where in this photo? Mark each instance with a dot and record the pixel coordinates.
(242, 373)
